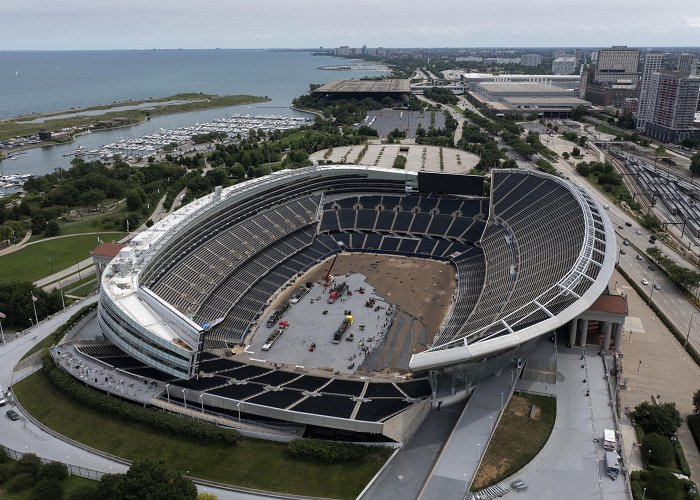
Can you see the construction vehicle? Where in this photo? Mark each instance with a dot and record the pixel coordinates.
(277, 314)
(342, 329)
(277, 333)
(370, 302)
(337, 292)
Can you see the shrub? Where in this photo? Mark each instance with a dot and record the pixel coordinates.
(47, 488)
(5, 472)
(28, 464)
(121, 408)
(325, 451)
(19, 482)
(659, 450)
(661, 483)
(680, 459)
(84, 493)
(53, 470)
(400, 161)
(663, 419)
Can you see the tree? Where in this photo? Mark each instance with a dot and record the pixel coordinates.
(583, 169)
(92, 198)
(134, 200)
(52, 229)
(662, 419)
(695, 164)
(565, 155)
(654, 253)
(661, 150)
(147, 480)
(576, 151)
(696, 401)
(689, 143)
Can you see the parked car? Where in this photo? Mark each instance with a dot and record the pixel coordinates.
(638, 257)
(622, 251)
(644, 281)
(519, 485)
(657, 287)
(628, 224)
(626, 243)
(12, 415)
(652, 268)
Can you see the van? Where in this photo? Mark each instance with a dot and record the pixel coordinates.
(606, 207)
(3, 399)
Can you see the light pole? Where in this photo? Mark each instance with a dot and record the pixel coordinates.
(238, 406)
(502, 399)
(687, 337)
(184, 397)
(479, 445)
(647, 462)
(644, 494)
(167, 391)
(491, 419)
(201, 398)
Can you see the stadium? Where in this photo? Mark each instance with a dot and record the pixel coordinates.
(347, 300)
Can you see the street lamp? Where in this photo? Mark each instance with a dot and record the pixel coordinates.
(201, 398)
(491, 419)
(167, 391)
(648, 456)
(238, 406)
(184, 397)
(644, 494)
(502, 396)
(687, 337)
(479, 445)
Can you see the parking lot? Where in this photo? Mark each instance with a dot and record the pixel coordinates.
(386, 120)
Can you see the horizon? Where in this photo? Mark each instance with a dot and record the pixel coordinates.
(164, 24)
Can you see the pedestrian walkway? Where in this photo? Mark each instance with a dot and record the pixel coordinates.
(404, 476)
(571, 464)
(459, 461)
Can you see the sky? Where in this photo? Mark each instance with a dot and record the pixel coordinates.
(144, 24)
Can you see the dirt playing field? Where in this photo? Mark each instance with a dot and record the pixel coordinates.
(420, 289)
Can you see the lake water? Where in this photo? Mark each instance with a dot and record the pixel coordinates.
(41, 82)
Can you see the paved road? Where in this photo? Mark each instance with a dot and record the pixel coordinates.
(24, 436)
(669, 299)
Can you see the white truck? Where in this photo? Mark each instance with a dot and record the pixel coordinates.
(609, 440)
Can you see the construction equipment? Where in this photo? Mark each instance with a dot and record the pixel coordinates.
(342, 329)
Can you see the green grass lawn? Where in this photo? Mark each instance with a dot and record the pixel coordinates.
(517, 439)
(81, 288)
(251, 463)
(70, 484)
(32, 263)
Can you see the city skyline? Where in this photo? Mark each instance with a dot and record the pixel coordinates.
(76, 24)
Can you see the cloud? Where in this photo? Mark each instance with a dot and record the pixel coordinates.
(692, 22)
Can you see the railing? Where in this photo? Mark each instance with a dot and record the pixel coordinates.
(74, 470)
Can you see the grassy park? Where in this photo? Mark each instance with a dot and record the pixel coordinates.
(55, 121)
(70, 485)
(518, 438)
(250, 463)
(32, 262)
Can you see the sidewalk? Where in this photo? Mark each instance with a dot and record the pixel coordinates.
(459, 460)
(572, 465)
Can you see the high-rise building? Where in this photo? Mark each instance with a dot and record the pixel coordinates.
(530, 59)
(564, 65)
(342, 51)
(617, 63)
(673, 98)
(685, 62)
(653, 62)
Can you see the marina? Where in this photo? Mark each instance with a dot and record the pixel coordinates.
(233, 126)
